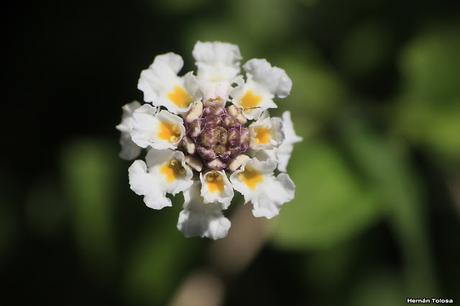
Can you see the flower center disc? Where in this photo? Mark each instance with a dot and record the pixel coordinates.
(221, 136)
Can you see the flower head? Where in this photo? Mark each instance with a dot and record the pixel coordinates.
(208, 135)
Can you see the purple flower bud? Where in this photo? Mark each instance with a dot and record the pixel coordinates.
(206, 154)
(244, 136)
(222, 135)
(218, 136)
(195, 128)
(233, 137)
(209, 137)
(216, 164)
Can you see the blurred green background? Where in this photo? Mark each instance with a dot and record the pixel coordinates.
(376, 97)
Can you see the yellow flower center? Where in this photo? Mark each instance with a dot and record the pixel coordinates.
(215, 182)
(250, 100)
(263, 135)
(172, 170)
(251, 178)
(169, 132)
(180, 97)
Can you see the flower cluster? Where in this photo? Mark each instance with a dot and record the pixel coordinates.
(208, 134)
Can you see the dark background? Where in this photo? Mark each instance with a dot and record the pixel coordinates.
(376, 97)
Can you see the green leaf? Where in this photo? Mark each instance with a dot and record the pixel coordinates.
(46, 210)
(89, 170)
(429, 105)
(430, 66)
(330, 205)
(386, 167)
(317, 91)
(158, 259)
(365, 49)
(379, 288)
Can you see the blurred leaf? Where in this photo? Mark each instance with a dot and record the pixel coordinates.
(379, 288)
(430, 65)
(265, 20)
(330, 204)
(386, 167)
(89, 176)
(46, 209)
(158, 260)
(365, 48)
(327, 269)
(316, 91)
(434, 125)
(429, 106)
(178, 6)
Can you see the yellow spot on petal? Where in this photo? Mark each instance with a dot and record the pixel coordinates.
(263, 135)
(250, 100)
(251, 178)
(215, 182)
(172, 170)
(169, 132)
(180, 97)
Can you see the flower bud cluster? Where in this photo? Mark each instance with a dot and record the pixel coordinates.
(214, 134)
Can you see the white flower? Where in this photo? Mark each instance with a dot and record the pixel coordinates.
(202, 219)
(266, 133)
(163, 87)
(165, 172)
(218, 65)
(159, 130)
(208, 135)
(129, 150)
(215, 187)
(267, 193)
(263, 83)
(284, 151)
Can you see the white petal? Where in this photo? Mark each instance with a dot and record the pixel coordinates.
(216, 53)
(273, 78)
(146, 184)
(266, 192)
(160, 81)
(252, 98)
(218, 65)
(290, 137)
(200, 219)
(166, 117)
(266, 133)
(288, 129)
(129, 150)
(221, 191)
(157, 160)
(277, 191)
(148, 126)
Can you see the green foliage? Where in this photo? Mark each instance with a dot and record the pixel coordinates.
(46, 209)
(429, 109)
(90, 172)
(317, 90)
(159, 257)
(378, 288)
(331, 204)
(365, 49)
(385, 165)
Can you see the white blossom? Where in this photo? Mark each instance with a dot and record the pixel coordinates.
(129, 150)
(259, 186)
(262, 85)
(202, 219)
(208, 135)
